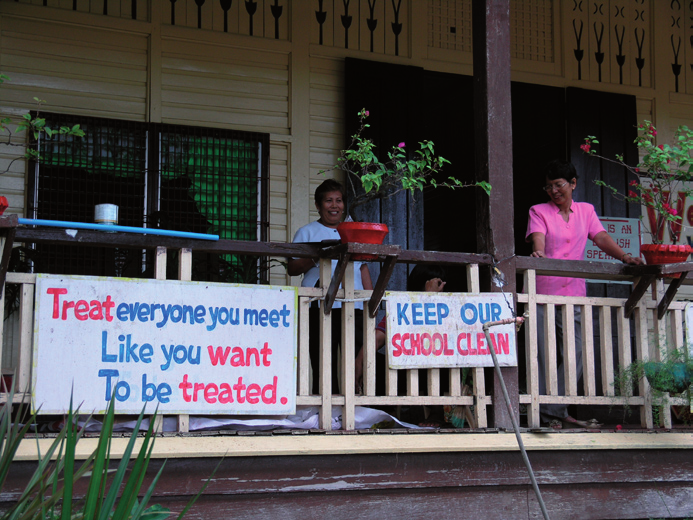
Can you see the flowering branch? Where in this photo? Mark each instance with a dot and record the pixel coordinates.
(34, 126)
(382, 180)
(662, 171)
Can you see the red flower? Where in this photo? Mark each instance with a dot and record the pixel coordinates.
(585, 147)
(673, 211)
(660, 146)
(653, 131)
(633, 183)
(637, 170)
(632, 194)
(3, 204)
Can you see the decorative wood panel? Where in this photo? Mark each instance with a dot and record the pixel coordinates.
(450, 25)
(612, 41)
(377, 26)
(680, 48)
(258, 18)
(532, 31)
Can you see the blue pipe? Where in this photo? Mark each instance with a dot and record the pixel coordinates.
(109, 227)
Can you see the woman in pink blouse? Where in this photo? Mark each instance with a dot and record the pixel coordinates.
(559, 229)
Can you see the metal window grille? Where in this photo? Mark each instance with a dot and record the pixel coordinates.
(173, 177)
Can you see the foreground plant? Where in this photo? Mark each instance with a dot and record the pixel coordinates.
(672, 375)
(663, 171)
(49, 492)
(412, 171)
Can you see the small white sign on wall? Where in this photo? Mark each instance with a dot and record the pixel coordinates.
(624, 231)
(186, 347)
(443, 330)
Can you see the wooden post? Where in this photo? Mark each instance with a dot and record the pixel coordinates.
(493, 150)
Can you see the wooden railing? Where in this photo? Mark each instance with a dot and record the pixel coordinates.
(611, 338)
(636, 336)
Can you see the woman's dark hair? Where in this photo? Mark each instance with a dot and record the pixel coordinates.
(326, 187)
(560, 170)
(423, 273)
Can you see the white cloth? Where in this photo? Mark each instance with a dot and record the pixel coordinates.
(316, 232)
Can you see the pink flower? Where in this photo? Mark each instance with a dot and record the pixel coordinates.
(673, 211)
(619, 427)
(367, 113)
(633, 183)
(401, 145)
(585, 147)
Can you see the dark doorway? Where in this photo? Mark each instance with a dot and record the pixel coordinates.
(409, 103)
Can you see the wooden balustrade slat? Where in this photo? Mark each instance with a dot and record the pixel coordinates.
(347, 383)
(433, 382)
(588, 367)
(550, 356)
(412, 382)
(304, 387)
(325, 359)
(642, 353)
(607, 350)
(184, 274)
(369, 354)
(26, 334)
(569, 350)
(625, 356)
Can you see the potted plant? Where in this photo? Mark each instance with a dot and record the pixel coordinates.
(672, 375)
(368, 178)
(663, 171)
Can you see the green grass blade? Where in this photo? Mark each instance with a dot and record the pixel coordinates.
(142, 506)
(134, 482)
(91, 500)
(69, 465)
(199, 493)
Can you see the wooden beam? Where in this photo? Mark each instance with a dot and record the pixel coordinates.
(493, 140)
(670, 294)
(380, 285)
(337, 277)
(638, 291)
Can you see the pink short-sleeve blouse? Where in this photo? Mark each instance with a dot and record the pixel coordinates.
(564, 241)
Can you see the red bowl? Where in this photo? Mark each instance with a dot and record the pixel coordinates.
(362, 233)
(656, 254)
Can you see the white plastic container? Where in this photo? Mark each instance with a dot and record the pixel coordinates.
(106, 214)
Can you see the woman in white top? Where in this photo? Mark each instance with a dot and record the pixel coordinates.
(329, 201)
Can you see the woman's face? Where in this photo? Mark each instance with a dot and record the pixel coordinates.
(560, 191)
(331, 209)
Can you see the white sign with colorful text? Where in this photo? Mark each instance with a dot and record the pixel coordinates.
(186, 347)
(624, 231)
(443, 330)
